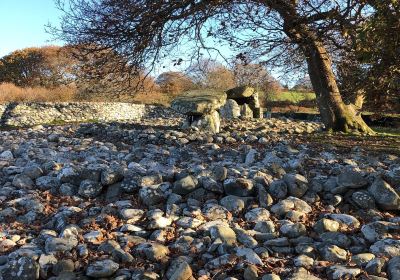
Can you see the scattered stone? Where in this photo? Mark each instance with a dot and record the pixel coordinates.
(185, 185)
(343, 272)
(333, 253)
(90, 189)
(149, 200)
(249, 255)
(257, 215)
(220, 173)
(233, 203)
(47, 182)
(54, 245)
(291, 203)
(226, 234)
(69, 174)
(265, 227)
(386, 248)
(270, 277)
(24, 268)
(293, 230)
(238, 187)
(154, 251)
(6, 155)
(278, 189)
(225, 259)
(378, 230)
(182, 272)
(304, 261)
(250, 273)
(302, 274)
(345, 220)
(104, 268)
(375, 266)
(21, 181)
(151, 195)
(297, 184)
(210, 184)
(336, 238)
(362, 259)
(325, 225)
(63, 266)
(385, 196)
(351, 179)
(132, 215)
(363, 200)
(394, 267)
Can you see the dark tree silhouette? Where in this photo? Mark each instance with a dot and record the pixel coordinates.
(277, 32)
(371, 68)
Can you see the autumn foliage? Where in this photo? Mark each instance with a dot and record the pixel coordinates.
(54, 73)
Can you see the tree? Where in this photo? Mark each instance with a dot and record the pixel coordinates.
(275, 31)
(106, 75)
(220, 78)
(174, 82)
(371, 67)
(211, 74)
(303, 84)
(48, 66)
(95, 75)
(255, 75)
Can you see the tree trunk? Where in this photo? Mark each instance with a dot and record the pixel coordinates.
(359, 98)
(335, 114)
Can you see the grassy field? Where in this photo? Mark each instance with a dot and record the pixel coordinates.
(387, 131)
(292, 96)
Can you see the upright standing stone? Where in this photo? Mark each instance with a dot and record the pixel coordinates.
(210, 122)
(230, 110)
(246, 112)
(254, 101)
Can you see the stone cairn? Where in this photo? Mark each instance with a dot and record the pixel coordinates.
(205, 108)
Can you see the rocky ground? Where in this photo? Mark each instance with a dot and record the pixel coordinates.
(265, 199)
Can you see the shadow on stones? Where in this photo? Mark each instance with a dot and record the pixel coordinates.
(6, 114)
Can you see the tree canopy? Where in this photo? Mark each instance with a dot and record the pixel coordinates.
(283, 33)
(49, 66)
(372, 66)
(174, 82)
(146, 31)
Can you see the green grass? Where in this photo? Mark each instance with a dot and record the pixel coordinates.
(392, 115)
(387, 131)
(293, 96)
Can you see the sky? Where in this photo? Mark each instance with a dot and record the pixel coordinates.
(22, 24)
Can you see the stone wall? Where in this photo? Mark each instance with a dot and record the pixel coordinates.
(30, 114)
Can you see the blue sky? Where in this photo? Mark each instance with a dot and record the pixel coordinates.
(22, 24)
